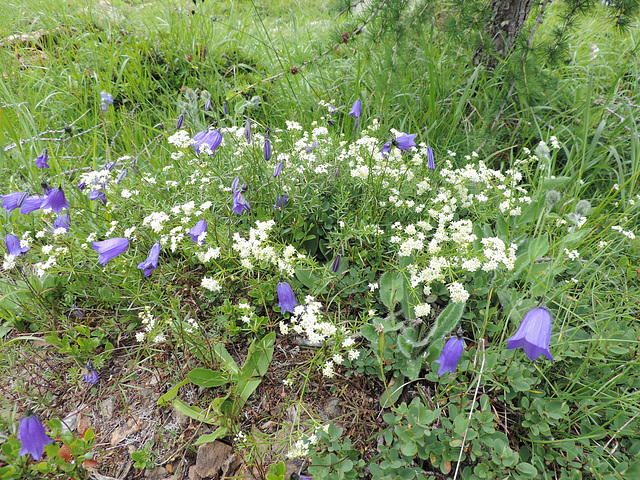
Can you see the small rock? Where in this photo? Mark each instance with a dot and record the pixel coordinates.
(332, 409)
(193, 475)
(158, 473)
(213, 457)
(122, 432)
(107, 407)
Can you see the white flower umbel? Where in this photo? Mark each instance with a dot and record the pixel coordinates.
(457, 292)
(307, 321)
(211, 284)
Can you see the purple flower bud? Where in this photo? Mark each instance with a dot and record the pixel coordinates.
(207, 105)
(151, 263)
(33, 437)
(386, 148)
(336, 263)
(286, 298)
(13, 245)
(91, 376)
(224, 107)
(41, 161)
(430, 160)
(55, 200)
(111, 248)
(278, 169)
(123, 174)
(267, 150)
(451, 354)
(281, 202)
(234, 184)
(104, 107)
(533, 334)
(356, 109)
(198, 232)
(247, 130)
(180, 121)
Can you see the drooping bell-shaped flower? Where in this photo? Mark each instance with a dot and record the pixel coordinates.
(106, 97)
(451, 354)
(198, 232)
(431, 163)
(33, 437)
(14, 247)
(356, 109)
(14, 200)
(286, 298)
(41, 161)
(32, 203)
(151, 263)
(240, 203)
(91, 377)
(63, 221)
(533, 334)
(405, 141)
(98, 195)
(111, 248)
(212, 138)
(55, 200)
(281, 202)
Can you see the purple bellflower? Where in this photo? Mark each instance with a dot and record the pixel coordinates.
(63, 221)
(151, 263)
(431, 163)
(33, 437)
(197, 233)
(286, 298)
(55, 200)
(111, 248)
(180, 121)
(451, 354)
(107, 99)
(356, 109)
(267, 149)
(91, 377)
(281, 202)
(41, 161)
(32, 203)
(405, 141)
(14, 200)
(98, 195)
(235, 184)
(13, 245)
(212, 138)
(240, 203)
(533, 334)
(278, 170)
(386, 148)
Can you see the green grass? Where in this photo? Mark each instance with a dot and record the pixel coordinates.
(167, 346)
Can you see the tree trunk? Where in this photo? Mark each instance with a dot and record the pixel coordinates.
(507, 19)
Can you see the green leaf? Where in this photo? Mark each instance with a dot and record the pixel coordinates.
(212, 437)
(171, 394)
(554, 183)
(223, 356)
(193, 412)
(204, 377)
(391, 289)
(538, 248)
(245, 387)
(446, 322)
(526, 469)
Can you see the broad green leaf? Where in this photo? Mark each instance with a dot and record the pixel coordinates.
(246, 387)
(446, 322)
(204, 377)
(391, 289)
(223, 356)
(193, 412)
(171, 394)
(212, 437)
(538, 247)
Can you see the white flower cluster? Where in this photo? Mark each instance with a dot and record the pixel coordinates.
(149, 322)
(211, 284)
(180, 139)
(307, 320)
(255, 248)
(156, 221)
(627, 233)
(457, 292)
(572, 254)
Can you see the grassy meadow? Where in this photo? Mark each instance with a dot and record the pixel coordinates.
(242, 226)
